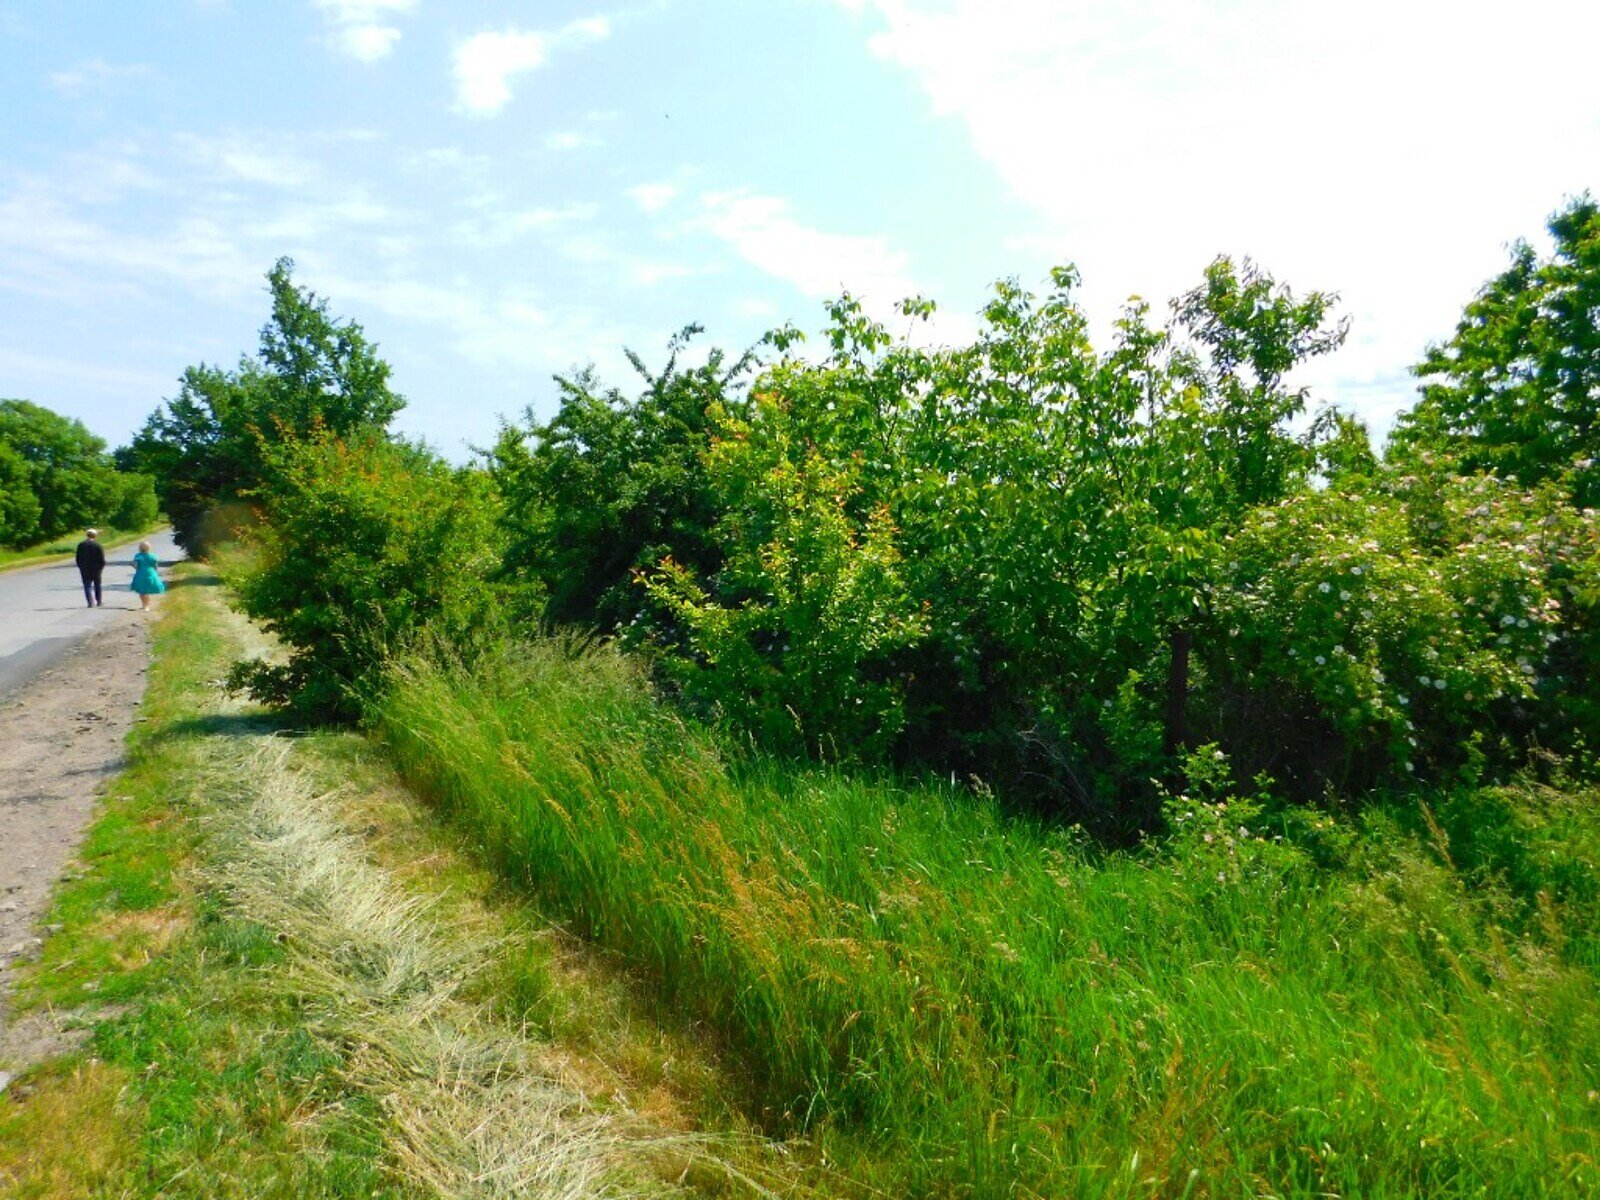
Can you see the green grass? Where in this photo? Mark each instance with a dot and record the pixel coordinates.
(199, 1078)
(297, 986)
(62, 547)
(953, 1002)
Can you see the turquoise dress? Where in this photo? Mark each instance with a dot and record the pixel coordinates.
(145, 580)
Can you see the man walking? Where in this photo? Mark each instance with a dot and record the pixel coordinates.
(91, 558)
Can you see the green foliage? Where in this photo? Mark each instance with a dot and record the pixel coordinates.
(819, 600)
(210, 445)
(1244, 334)
(1516, 391)
(1215, 834)
(364, 541)
(19, 507)
(55, 477)
(1359, 637)
(956, 557)
(136, 503)
(611, 485)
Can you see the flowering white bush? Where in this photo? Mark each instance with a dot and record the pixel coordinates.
(1402, 627)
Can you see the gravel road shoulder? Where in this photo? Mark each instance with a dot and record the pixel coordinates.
(61, 740)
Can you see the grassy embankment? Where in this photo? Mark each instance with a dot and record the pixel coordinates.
(296, 986)
(62, 547)
(955, 1002)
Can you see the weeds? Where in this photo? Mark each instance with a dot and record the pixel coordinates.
(955, 1002)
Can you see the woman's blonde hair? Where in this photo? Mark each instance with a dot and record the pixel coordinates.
(145, 546)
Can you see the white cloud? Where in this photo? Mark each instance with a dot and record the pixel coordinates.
(565, 139)
(243, 159)
(498, 227)
(75, 372)
(225, 208)
(633, 270)
(485, 63)
(820, 265)
(500, 328)
(96, 75)
(653, 197)
(368, 43)
(763, 232)
(1386, 151)
(361, 29)
(754, 306)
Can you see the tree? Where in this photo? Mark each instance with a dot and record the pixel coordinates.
(365, 540)
(62, 465)
(980, 550)
(208, 444)
(1516, 390)
(611, 485)
(19, 507)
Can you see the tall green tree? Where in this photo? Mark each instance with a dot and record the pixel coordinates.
(1516, 390)
(62, 466)
(19, 507)
(208, 444)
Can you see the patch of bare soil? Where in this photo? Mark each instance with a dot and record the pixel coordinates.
(61, 741)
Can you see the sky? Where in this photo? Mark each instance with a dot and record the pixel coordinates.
(501, 192)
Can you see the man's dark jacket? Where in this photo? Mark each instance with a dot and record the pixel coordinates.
(91, 557)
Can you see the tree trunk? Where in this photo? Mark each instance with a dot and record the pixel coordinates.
(1178, 693)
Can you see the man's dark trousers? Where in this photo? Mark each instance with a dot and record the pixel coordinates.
(91, 559)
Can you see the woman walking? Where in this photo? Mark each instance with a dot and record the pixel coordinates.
(145, 579)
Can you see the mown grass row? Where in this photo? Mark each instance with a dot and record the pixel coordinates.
(199, 1078)
(293, 984)
(956, 1002)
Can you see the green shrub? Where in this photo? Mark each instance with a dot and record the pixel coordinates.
(364, 541)
(611, 485)
(812, 606)
(1383, 628)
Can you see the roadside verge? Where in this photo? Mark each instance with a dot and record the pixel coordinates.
(288, 982)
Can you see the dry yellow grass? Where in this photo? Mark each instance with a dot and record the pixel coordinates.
(70, 1139)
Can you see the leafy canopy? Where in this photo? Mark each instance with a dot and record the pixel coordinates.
(209, 445)
(1516, 390)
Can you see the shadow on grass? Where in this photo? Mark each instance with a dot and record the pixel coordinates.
(256, 724)
(209, 579)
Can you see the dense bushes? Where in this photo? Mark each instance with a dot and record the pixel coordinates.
(1052, 566)
(609, 486)
(1055, 567)
(362, 542)
(1384, 629)
(56, 477)
(954, 558)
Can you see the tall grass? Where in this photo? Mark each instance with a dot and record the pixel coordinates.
(991, 1009)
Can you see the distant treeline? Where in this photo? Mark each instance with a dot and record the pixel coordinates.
(56, 477)
(1052, 566)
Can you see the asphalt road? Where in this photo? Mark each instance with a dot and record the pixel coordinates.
(42, 611)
